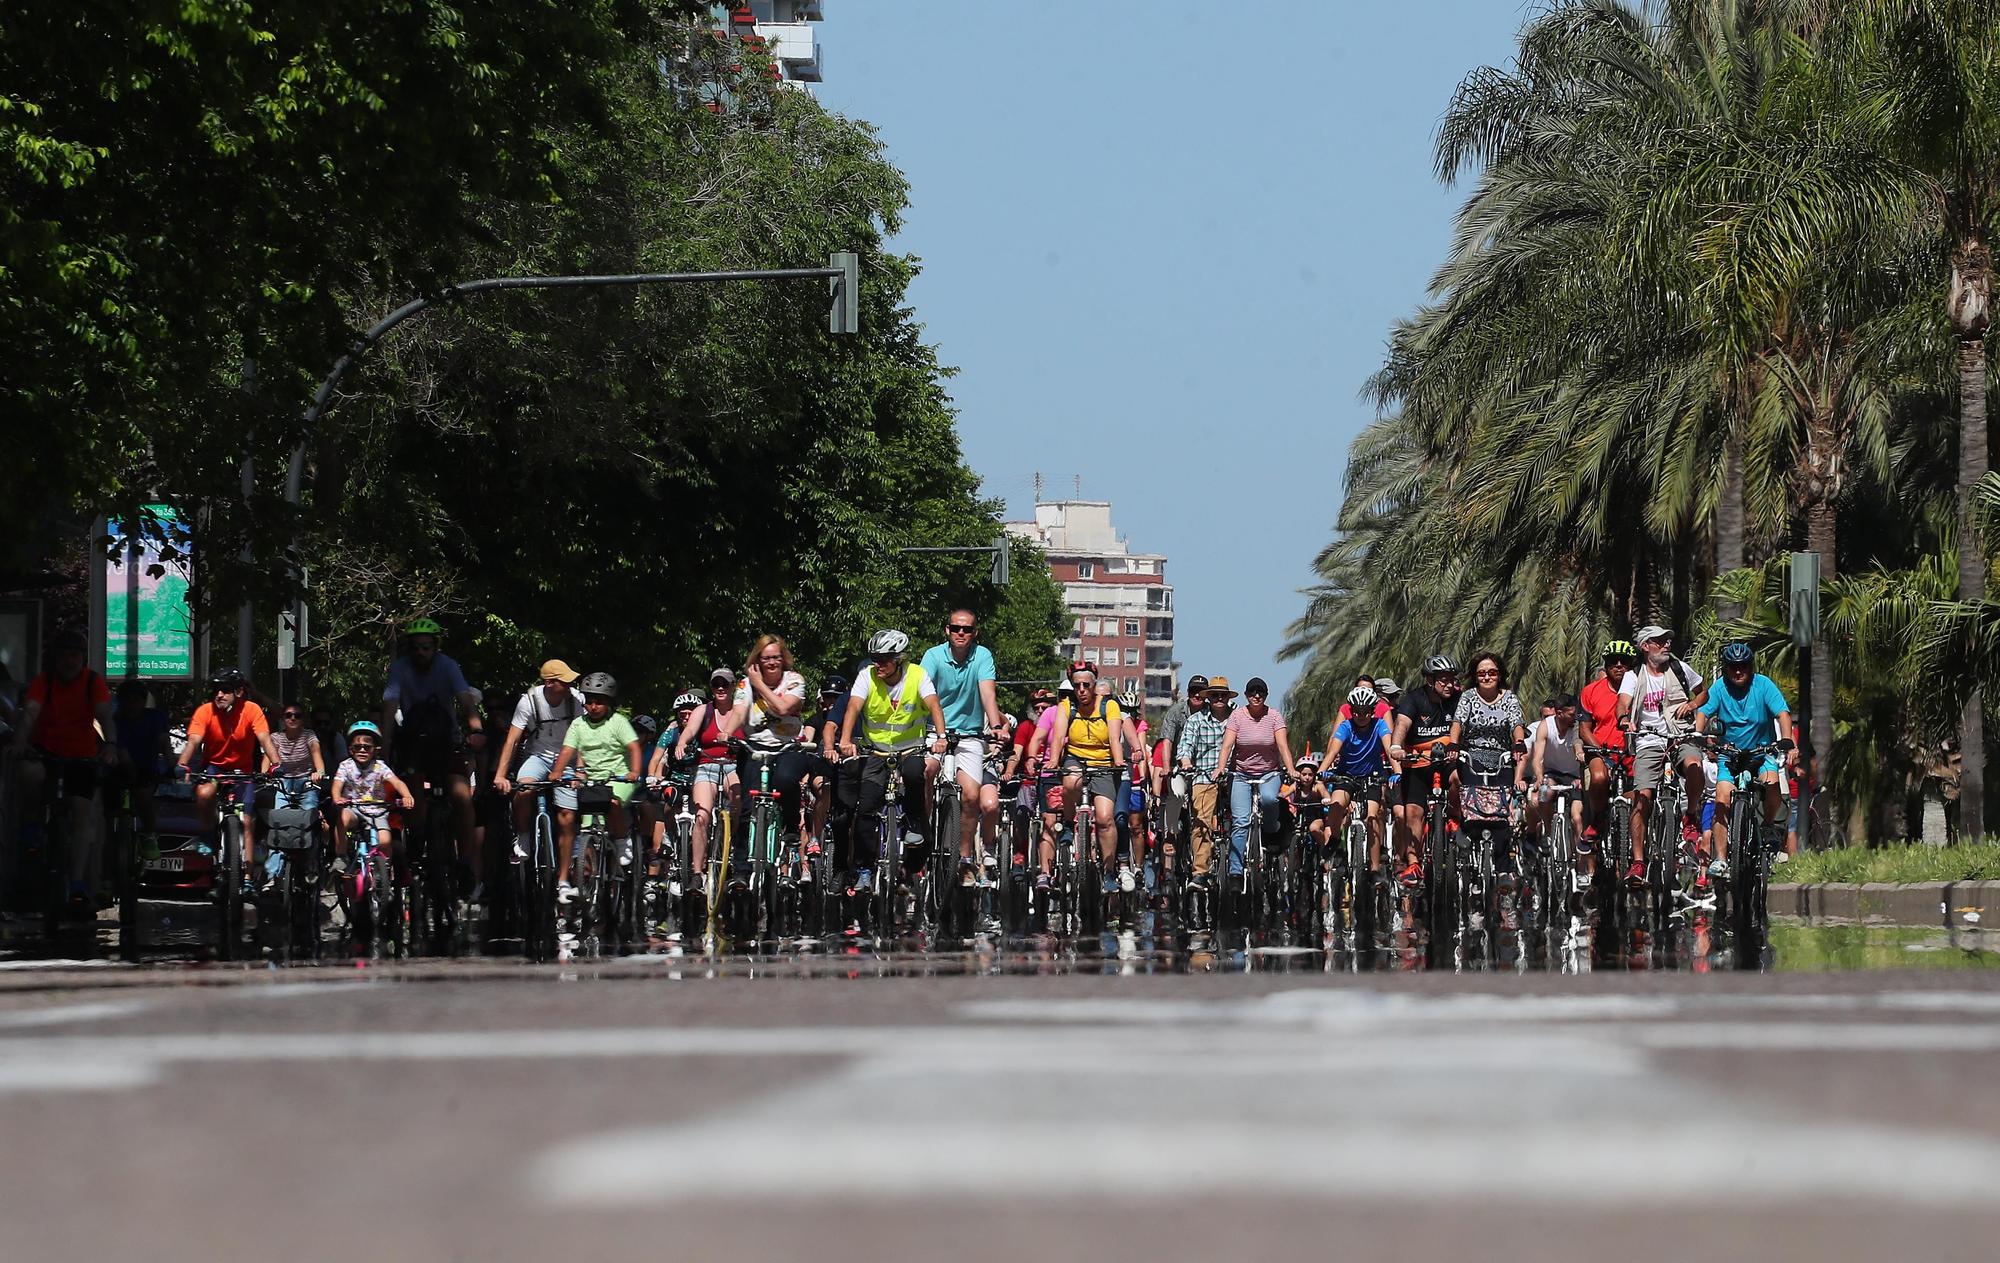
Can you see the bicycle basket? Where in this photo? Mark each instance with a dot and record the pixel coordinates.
(291, 829)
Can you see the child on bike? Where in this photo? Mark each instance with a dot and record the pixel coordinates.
(1309, 800)
(362, 788)
(604, 745)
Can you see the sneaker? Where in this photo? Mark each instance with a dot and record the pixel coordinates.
(1587, 844)
(812, 848)
(1126, 881)
(1781, 857)
(1412, 875)
(565, 893)
(1700, 880)
(1690, 834)
(968, 873)
(864, 881)
(519, 853)
(674, 888)
(1109, 885)
(1018, 871)
(1635, 876)
(1044, 881)
(1719, 868)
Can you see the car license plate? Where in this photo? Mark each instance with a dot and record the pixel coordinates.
(166, 864)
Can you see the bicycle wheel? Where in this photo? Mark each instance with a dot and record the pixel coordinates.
(229, 872)
(130, 870)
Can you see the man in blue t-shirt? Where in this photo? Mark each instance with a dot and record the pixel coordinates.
(1359, 747)
(961, 669)
(1751, 711)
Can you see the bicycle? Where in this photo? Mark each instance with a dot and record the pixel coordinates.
(1615, 845)
(369, 895)
(773, 849)
(1750, 849)
(534, 867)
(232, 833)
(1351, 882)
(604, 870)
(57, 859)
(293, 835)
(430, 864)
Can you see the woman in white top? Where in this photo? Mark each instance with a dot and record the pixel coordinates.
(769, 712)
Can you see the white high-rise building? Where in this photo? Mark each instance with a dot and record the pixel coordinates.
(785, 27)
(1121, 600)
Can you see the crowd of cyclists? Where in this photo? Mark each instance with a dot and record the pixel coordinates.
(1203, 777)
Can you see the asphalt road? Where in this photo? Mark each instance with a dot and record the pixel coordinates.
(460, 1111)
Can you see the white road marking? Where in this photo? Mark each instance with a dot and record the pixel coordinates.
(63, 1013)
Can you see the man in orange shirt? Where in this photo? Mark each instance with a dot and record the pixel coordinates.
(68, 717)
(226, 734)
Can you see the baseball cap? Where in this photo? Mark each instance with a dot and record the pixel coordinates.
(722, 673)
(1652, 631)
(557, 669)
(1197, 684)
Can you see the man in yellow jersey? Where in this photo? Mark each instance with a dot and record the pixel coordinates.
(1089, 746)
(889, 704)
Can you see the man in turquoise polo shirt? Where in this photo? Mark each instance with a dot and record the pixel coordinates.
(962, 671)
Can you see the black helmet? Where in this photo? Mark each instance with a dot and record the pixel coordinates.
(229, 679)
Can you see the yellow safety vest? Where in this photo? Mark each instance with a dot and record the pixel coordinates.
(894, 715)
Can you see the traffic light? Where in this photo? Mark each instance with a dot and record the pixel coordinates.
(1003, 557)
(844, 315)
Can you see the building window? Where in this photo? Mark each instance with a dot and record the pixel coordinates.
(1131, 627)
(1090, 656)
(1086, 570)
(1131, 657)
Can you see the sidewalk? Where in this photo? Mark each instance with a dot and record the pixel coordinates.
(1961, 904)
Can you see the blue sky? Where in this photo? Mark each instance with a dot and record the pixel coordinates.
(1163, 245)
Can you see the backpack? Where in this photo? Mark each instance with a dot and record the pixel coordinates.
(1683, 674)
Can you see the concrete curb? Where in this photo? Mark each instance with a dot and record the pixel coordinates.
(1951, 904)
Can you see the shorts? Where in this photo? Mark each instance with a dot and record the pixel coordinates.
(1134, 797)
(1708, 815)
(1414, 790)
(713, 773)
(1100, 781)
(1770, 763)
(969, 759)
(79, 779)
(536, 767)
(1649, 764)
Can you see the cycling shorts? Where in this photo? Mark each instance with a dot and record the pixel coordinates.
(1771, 764)
(1414, 790)
(536, 767)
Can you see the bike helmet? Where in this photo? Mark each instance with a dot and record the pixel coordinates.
(1620, 649)
(1738, 653)
(1362, 699)
(598, 683)
(422, 627)
(1439, 664)
(646, 723)
(1308, 759)
(888, 643)
(365, 727)
(228, 679)
(687, 701)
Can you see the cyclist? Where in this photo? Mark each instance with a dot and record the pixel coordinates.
(1603, 739)
(1173, 786)
(601, 741)
(1255, 749)
(888, 704)
(1133, 787)
(1087, 743)
(1657, 702)
(1311, 802)
(962, 671)
(302, 766)
(1041, 706)
(361, 784)
(1382, 706)
(1555, 760)
(226, 734)
(1423, 720)
(1197, 755)
(1359, 747)
(714, 773)
(659, 768)
(439, 714)
(68, 716)
(769, 709)
(540, 721)
(1751, 711)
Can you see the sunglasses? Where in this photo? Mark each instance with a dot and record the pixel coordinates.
(958, 629)
(1488, 674)
(294, 714)
(885, 660)
(361, 746)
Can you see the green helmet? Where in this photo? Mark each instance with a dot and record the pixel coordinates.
(422, 627)
(1620, 649)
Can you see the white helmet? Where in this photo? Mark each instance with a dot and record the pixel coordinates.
(1362, 698)
(888, 642)
(1441, 664)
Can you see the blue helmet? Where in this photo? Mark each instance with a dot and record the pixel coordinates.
(1738, 653)
(363, 726)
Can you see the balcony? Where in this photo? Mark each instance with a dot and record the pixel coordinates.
(795, 48)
